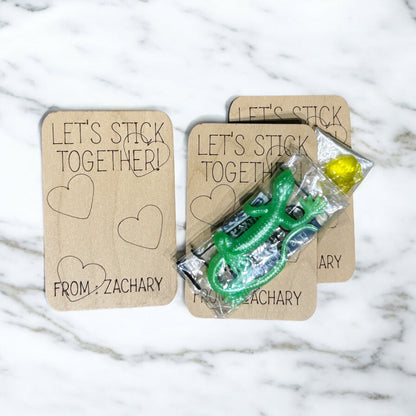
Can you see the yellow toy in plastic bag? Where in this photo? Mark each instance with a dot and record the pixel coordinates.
(344, 171)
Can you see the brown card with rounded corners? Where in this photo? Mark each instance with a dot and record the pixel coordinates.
(336, 247)
(225, 162)
(109, 209)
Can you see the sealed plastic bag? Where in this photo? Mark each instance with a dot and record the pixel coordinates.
(252, 246)
(340, 163)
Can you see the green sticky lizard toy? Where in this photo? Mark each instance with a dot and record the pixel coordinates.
(235, 252)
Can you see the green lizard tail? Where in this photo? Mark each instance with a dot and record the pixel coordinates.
(238, 293)
(278, 267)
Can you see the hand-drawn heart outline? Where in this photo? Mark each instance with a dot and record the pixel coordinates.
(137, 218)
(147, 142)
(210, 197)
(67, 187)
(83, 267)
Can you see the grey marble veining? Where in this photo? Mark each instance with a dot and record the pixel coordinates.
(357, 353)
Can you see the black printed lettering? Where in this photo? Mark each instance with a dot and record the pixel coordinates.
(212, 144)
(302, 144)
(327, 261)
(54, 140)
(87, 163)
(295, 111)
(157, 131)
(201, 152)
(261, 150)
(276, 110)
(337, 259)
(322, 118)
(99, 160)
(67, 133)
(127, 285)
(239, 137)
(74, 161)
(335, 119)
(117, 139)
(263, 112)
(288, 297)
(251, 116)
(142, 135)
(80, 124)
(108, 282)
(94, 127)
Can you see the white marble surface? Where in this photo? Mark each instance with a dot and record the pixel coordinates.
(189, 58)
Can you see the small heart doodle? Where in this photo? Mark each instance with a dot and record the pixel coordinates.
(205, 208)
(144, 230)
(144, 155)
(78, 280)
(75, 199)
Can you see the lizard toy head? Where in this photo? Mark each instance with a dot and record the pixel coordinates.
(283, 186)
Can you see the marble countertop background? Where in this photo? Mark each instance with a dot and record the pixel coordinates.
(356, 355)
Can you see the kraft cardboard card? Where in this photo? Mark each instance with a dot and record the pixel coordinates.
(336, 248)
(109, 209)
(225, 162)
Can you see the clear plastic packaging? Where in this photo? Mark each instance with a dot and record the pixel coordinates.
(252, 246)
(340, 163)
